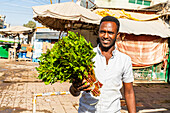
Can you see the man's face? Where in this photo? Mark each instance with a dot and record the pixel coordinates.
(107, 34)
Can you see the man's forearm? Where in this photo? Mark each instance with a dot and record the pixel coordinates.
(130, 101)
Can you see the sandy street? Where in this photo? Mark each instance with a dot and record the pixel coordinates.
(18, 83)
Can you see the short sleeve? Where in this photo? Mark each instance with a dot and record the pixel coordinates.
(127, 76)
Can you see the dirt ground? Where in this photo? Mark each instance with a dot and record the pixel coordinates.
(150, 97)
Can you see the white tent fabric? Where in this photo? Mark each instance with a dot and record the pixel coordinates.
(155, 27)
(58, 16)
(46, 14)
(15, 29)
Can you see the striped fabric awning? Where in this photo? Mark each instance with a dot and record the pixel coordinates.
(144, 50)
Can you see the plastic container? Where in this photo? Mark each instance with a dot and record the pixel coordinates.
(24, 55)
(20, 55)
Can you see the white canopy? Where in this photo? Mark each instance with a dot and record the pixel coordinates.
(15, 30)
(61, 14)
(154, 27)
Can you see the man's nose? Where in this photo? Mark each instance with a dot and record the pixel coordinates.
(106, 35)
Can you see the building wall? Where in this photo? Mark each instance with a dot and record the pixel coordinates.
(157, 1)
(119, 3)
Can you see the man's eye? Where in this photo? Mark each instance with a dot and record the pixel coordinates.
(102, 32)
(111, 33)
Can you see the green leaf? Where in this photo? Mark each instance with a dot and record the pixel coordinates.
(82, 68)
(76, 68)
(67, 60)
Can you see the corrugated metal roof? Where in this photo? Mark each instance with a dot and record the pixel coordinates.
(154, 27)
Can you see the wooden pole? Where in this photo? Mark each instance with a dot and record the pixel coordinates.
(87, 4)
(51, 1)
(92, 2)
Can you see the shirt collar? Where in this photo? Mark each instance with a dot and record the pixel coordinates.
(100, 53)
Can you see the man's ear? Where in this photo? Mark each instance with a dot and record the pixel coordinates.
(118, 35)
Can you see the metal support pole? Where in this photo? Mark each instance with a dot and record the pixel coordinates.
(34, 104)
(152, 72)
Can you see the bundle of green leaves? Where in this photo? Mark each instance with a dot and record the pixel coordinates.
(69, 59)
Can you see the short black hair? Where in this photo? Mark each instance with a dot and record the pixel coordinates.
(112, 19)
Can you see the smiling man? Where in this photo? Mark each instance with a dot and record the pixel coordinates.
(111, 69)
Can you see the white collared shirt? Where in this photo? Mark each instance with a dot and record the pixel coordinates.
(119, 69)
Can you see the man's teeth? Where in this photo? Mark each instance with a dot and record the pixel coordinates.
(105, 41)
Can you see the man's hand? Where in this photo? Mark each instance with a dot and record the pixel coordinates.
(79, 85)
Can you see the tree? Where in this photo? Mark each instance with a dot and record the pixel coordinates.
(30, 24)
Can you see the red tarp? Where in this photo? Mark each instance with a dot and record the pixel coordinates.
(144, 50)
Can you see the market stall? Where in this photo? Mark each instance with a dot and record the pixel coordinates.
(148, 26)
(68, 16)
(16, 46)
(143, 37)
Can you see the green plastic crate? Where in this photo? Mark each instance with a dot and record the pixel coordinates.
(3, 52)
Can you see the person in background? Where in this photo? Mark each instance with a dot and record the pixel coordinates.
(18, 49)
(112, 68)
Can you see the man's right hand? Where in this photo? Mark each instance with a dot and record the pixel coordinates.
(79, 85)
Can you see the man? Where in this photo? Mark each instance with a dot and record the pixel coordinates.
(111, 68)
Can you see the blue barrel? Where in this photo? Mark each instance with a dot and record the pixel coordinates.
(20, 55)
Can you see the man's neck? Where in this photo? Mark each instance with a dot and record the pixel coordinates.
(107, 50)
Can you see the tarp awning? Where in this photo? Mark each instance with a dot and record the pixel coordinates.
(16, 29)
(154, 27)
(137, 23)
(61, 16)
(54, 15)
(143, 50)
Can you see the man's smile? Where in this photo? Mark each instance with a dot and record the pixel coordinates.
(106, 41)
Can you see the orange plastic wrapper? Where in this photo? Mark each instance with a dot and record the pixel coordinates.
(94, 84)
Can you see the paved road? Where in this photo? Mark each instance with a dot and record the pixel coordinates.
(18, 83)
